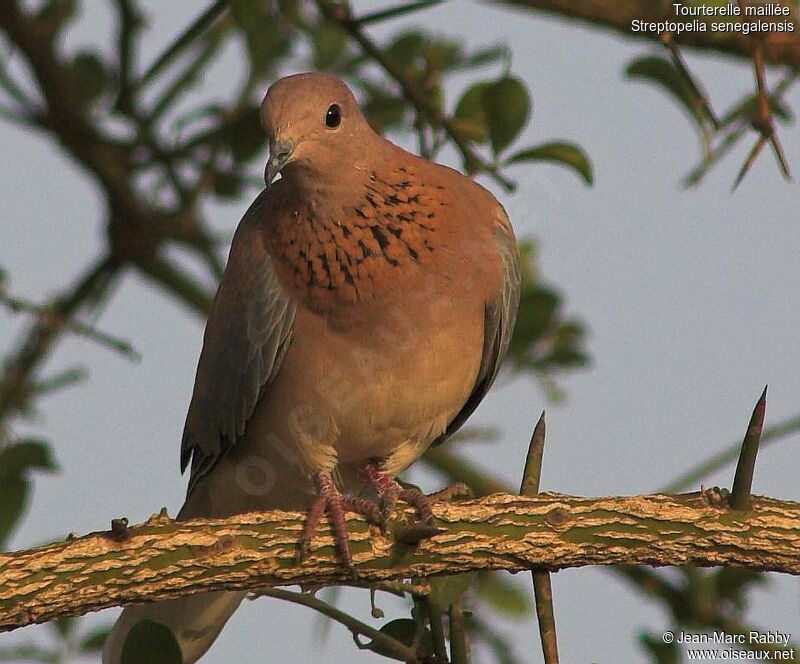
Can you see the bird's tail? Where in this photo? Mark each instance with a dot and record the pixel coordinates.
(195, 621)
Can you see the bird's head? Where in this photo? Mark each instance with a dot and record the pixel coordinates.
(313, 123)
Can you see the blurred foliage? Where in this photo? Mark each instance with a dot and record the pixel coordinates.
(716, 136)
(68, 645)
(544, 341)
(659, 652)
(17, 461)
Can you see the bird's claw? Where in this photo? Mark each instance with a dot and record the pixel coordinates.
(389, 491)
(331, 501)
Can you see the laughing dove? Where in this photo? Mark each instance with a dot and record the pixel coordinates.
(367, 304)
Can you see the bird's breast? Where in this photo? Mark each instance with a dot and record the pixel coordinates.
(393, 384)
(385, 235)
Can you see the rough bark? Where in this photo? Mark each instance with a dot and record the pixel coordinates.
(779, 47)
(161, 558)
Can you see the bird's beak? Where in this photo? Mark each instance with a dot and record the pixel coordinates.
(280, 153)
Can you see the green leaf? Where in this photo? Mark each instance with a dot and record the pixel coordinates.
(90, 75)
(406, 49)
(150, 642)
(329, 42)
(245, 136)
(403, 630)
(660, 652)
(383, 109)
(29, 652)
(446, 590)
(64, 627)
(481, 57)
(557, 152)
(94, 640)
(267, 34)
(497, 110)
(507, 108)
(543, 340)
(17, 461)
(470, 114)
(664, 74)
(498, 591)
(227, 185)
(747, 109)
(56, 14)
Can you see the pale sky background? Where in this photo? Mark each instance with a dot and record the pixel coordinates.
(691, 297)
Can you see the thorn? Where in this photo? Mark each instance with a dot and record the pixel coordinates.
(161, 518)
(542, 588)
(781, 157)
(763, 121)
(533, 463)
(749, 161)
(700, 99)
(119, 529)
(743, 479)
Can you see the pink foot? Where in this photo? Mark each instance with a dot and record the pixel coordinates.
(389, 491)
(329, 499)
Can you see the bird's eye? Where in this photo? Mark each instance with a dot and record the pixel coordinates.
(333, 117)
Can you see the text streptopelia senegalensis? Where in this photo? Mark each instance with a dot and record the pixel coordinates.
(367, 304)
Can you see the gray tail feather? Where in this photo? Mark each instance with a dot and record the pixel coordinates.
(195, 621)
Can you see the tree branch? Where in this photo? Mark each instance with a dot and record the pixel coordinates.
(22, 364)
(780, 48)
(162, 559)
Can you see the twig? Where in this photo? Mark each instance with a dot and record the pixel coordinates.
(398, 650)
(780, 47)
(437, 629)
(765, 123)
(699, 97)
(129, 21)
(47, 315)
(37, 343)
(200, 24)
(394, 12)
(762, 121)
(177, 282)
(459, 652)
(693, 613)
(15, 91)
(18, 117)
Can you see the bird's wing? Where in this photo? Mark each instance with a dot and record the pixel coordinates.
(501, 314)
(246, 337)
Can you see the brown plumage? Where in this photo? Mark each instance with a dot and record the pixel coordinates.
(367, 304)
